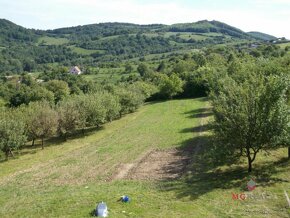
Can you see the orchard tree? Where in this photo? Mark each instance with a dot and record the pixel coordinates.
(200, 59)
(42, 121)
(129, 100)
(251, 114)
(12, 132)
(25, 94)
(161, 67)
(112, 106)
(128, 68)
(143, 70)
(144, 89)
(170, 86)
(59, 88)
(68, 117)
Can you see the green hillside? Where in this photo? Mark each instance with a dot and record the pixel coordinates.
(262, 36)
(12, 33)
(34, 50)
(208, 27)
(68, 180)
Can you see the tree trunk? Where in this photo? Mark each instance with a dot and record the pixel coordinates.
(83, 131)
(289, 152)
(11, 152)
(249, 160)
(42, 144)
(249, 164)
(7, 155)
(33, 140)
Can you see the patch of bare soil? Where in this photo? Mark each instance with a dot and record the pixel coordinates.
(160, 165)
(123, 171)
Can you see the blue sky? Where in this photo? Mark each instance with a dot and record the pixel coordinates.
(269, 16)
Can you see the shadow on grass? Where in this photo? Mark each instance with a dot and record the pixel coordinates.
(51, 142)
(197, 129)
(154, 101)
(93, 213)
(212, 168)
(209, 170)
(199, 113)
(57, 140)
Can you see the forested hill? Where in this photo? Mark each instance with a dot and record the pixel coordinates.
(24, 49)
(10, 32)
(262, 36)
(113, 29)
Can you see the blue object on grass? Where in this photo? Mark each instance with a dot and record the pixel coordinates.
(125, 198)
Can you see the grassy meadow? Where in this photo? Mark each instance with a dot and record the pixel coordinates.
(67, 179)
(46, 40)
(284, 45)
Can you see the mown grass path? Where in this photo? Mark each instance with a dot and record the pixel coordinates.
(68, 179)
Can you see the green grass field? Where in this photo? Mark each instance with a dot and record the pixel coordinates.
(110, 74)
(46, 40)
(112, 77)
(193, 36)
(284, 45)
(83, 51)
(67, 179)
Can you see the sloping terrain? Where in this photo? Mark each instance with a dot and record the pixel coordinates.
(67, 179)
(262, 36)
(29, 50)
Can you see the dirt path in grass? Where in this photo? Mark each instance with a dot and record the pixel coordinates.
(160, 165)
(163, 164)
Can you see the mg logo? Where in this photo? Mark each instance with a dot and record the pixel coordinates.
(241, 196)
(251, 185)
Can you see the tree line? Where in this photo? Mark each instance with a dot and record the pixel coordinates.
(250, 97)
(43, 119)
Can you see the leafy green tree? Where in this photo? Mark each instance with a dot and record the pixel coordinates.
(28, 80)
(25, 94)
(130, 101)
(41, 121)
(144, 89)
(20, 96)
(143, 70)
(96, 111)
(29, 65)
(59, 88)
(112, 106)
(170, 86)
(40, 93)
(200, 59)
(12, 132)
(180, 67)
(197, 82)
(68, 117)
(251, 114)
(161, 67)
(128, 68)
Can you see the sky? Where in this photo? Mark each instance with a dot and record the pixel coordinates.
(268, 16)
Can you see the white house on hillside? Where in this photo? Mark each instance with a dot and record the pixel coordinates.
(75, 70)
